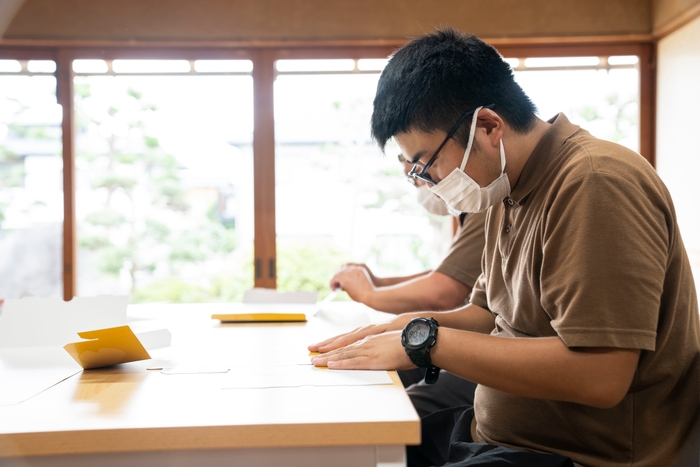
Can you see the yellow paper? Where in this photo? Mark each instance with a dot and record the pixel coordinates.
(107, 347)
(258, 317)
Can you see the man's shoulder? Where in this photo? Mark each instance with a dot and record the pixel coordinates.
(583, 154)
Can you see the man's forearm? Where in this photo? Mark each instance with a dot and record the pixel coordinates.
(389, 281)
(542, 368)
(433, 291)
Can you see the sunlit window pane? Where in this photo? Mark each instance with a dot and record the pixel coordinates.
(513, 62)
(90, 66)
(10, 66)
(41, 66)
(315, 65)
(372, 64)
(151, 66)
(544, 62)
(338, 198)
(606, 103)
(31, 199)
(623, 60)
(164, 186)
(223, 66)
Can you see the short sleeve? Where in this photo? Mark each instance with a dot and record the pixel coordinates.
(605, 250)
(463, 260)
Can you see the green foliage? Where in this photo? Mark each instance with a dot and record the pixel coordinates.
(201, 243)
(623, 110)
(231, 286)
(417, 248)
(151, 142)
(127, 158)
(37, 132)
(152, 235)
(107, 217)
(13, 176)
(134, 93)
(589, 113)
(114, 182)
(157, 231)
(82, 90)
(228, 287)
(111, 259)
(93, 242)
(307, 266)
(7, 156)
(172, 194)
(172, 289)
(88, 157)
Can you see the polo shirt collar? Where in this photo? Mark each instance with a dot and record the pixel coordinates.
(543, 156)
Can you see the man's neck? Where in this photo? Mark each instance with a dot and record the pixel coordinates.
(520, 148)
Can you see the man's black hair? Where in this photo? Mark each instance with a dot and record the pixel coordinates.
(432, 81)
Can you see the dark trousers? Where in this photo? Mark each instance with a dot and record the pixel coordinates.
(448, 391)
(447, 442)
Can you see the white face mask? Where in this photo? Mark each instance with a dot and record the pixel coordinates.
(433, 204)
(462, 194)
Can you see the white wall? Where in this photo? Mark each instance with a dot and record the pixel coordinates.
(678, 130)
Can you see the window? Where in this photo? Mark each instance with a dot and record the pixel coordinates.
(31, 199)
(164, 179)
(601, 94)
(339, 198)
(164, 164)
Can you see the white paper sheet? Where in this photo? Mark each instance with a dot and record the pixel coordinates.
(26, 372)
(300, 375)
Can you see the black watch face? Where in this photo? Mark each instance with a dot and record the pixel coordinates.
(418, 333)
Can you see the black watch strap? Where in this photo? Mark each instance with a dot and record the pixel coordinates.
(421, 356)
(431, 374)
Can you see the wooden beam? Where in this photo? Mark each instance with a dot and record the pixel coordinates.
(676, 23)
(64, 95)
(647, 103)
(265, 251)
(253, 44)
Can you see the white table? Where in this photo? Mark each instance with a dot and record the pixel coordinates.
(129, 415)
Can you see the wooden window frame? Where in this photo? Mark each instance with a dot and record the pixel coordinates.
(263, 58)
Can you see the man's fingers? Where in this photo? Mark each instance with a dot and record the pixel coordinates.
(335, 342)
(351, 337)
(340, 341)
(356, 359)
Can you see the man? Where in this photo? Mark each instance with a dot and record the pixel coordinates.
(582, 332)
(446, 287)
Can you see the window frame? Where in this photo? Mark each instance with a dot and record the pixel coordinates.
(264, 74)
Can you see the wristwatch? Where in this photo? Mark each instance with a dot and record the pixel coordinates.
(418, 337)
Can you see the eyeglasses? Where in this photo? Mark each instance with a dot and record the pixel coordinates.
(422, 174)
(409, 179)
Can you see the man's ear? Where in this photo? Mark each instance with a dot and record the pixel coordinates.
(493, 124)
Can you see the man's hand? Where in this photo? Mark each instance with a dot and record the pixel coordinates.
(342, 340)
(348, 338)
(355, 280)
(374, 352)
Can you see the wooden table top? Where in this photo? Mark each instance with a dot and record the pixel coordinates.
(130, 408)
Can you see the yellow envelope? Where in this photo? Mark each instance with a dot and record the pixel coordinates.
(258, 317)
(107, 347)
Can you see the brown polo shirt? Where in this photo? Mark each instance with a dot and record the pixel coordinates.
(587, 248)
(463, 260)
